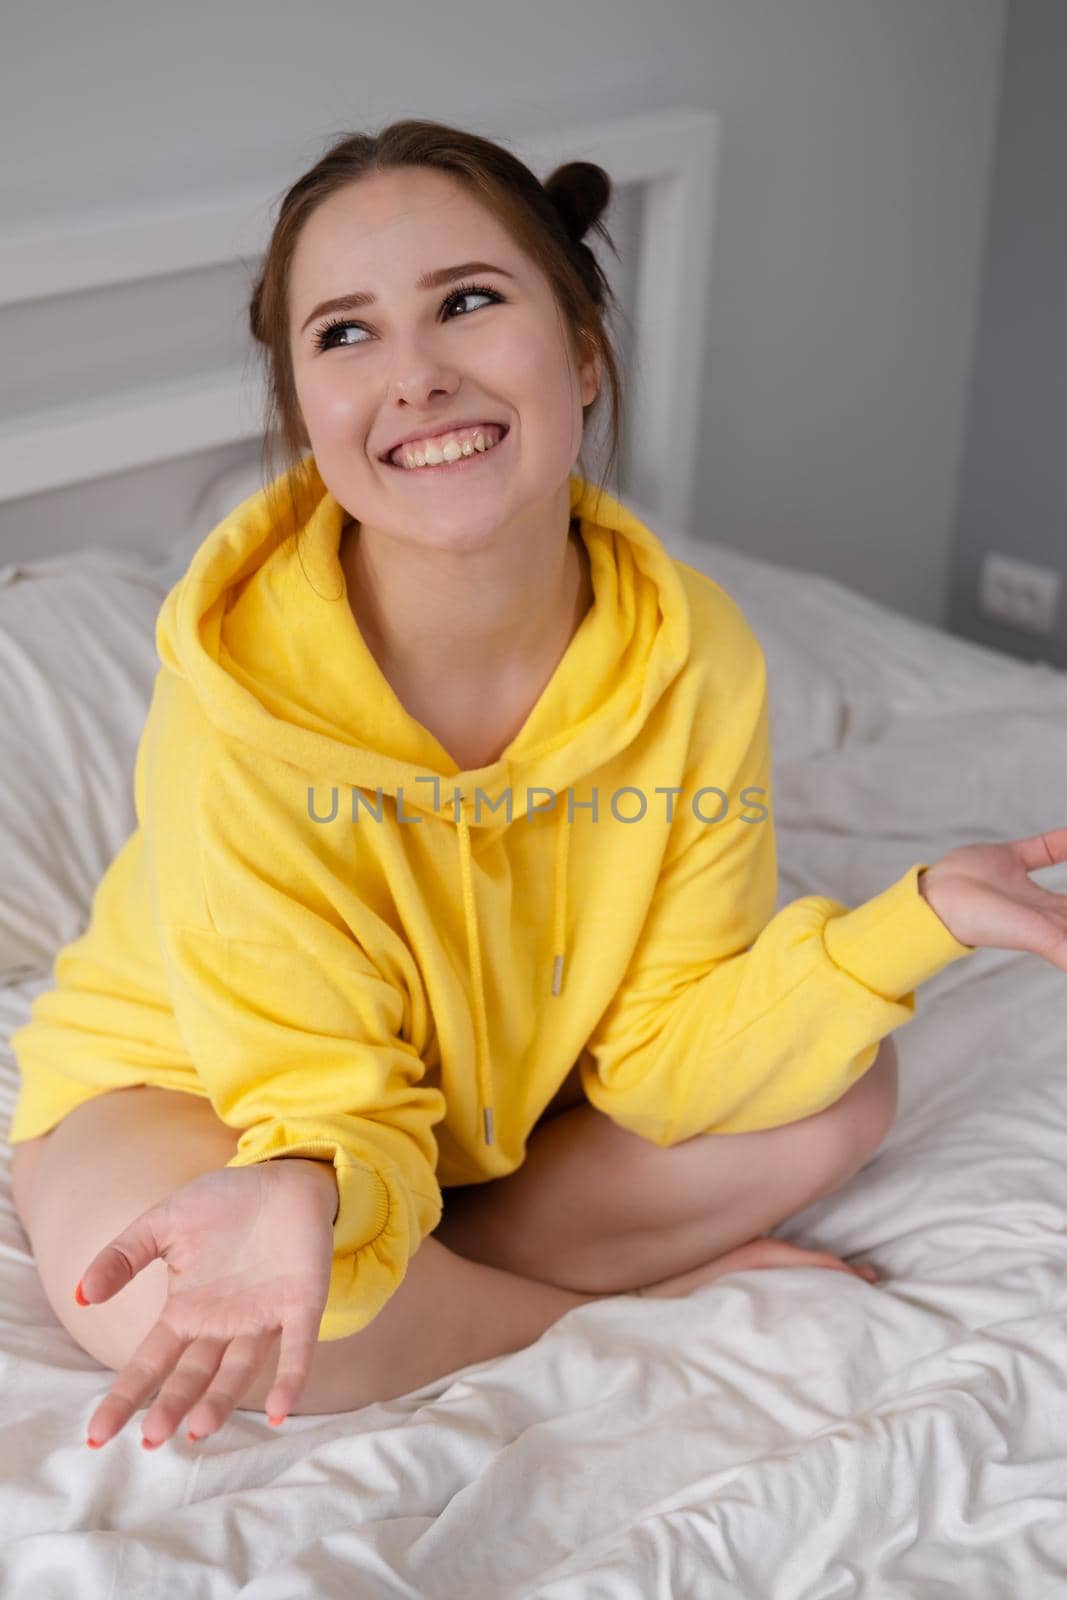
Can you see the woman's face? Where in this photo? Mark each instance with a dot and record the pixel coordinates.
(422, 357)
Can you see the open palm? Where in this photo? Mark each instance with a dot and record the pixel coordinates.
(249, 1252)
(984, 896)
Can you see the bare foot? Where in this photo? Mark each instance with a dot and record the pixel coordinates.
(761, 1252)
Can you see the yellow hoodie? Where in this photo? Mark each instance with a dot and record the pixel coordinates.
(362, 954)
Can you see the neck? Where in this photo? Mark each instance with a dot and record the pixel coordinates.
(472, 628)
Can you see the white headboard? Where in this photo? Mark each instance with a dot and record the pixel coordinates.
(133, 383)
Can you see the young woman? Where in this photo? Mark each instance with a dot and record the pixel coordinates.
(454, 866)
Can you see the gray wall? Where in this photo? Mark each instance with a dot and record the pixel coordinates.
(1013, 491)
(856, 154)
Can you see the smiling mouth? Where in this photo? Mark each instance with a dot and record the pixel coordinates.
(461, 461)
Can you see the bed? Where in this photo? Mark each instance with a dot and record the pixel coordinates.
(780, 1434)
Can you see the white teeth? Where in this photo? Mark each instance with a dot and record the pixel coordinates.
(432, 454)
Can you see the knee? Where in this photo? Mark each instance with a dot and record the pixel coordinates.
(24, 1159)
(107, 1162)
(111, 1331)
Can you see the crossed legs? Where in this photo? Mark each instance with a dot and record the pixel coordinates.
(600, 1210)
(122, 1152)
(594, 1210)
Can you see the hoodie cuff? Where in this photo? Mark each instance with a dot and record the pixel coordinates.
(895, 941)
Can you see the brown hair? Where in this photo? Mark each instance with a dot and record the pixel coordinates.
(547, 221)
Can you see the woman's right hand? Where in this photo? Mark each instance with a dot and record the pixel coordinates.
(249, 1251)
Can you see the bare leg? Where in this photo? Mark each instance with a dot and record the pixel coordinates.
(122, 1152)
(446, 1313)
(594, 1207)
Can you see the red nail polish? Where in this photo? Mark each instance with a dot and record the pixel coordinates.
(96, 1444)
(276, 1422)
(146, 1444)
(195, 1436)
(78, 1295)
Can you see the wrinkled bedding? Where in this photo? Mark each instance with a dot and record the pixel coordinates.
(780, 1434)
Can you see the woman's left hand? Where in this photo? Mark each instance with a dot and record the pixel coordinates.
(983, 895)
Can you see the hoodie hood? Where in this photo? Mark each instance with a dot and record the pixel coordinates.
(261, 629)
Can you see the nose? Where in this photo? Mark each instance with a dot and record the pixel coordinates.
(419, 373)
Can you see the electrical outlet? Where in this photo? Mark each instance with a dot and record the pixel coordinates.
(1019, 593)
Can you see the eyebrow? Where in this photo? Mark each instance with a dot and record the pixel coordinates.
(429, 280)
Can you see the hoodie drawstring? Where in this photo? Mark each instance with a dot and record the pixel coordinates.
(470, 912)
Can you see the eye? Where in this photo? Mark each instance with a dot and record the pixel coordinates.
(323, 339)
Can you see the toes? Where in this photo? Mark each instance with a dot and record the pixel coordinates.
(867, 1272)
(834, 1263)
(771, 1252)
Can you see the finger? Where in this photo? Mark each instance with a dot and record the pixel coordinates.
(154, 1358)
(1042, 849)
(300, 1333)
(243, 1360)
(128, 1253)
(183, 1389)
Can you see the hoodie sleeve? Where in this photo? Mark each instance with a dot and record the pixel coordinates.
(731, 1018)
(304, 1045)
(299, 1045)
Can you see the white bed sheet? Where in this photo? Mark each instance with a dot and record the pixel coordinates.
(781, 1434)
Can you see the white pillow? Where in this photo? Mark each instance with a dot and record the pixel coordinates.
(842, 668)
(77, 667)
(808, 701)
(221, 497)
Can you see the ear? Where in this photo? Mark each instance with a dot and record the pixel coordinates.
(591, 375)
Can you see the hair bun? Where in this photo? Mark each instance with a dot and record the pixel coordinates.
(580, 191)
